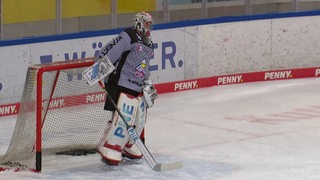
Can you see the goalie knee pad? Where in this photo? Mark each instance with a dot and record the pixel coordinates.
(131, 150)
(117, 135)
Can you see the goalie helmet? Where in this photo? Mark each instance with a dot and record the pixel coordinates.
(142, 22)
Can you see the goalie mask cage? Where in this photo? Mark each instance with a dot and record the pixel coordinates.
(58, 112)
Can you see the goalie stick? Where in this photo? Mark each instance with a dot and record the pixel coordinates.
(141, 146)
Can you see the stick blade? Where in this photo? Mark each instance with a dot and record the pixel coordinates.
(168, 166)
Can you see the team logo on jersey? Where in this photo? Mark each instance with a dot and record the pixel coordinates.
(139, 48)
(140, 70)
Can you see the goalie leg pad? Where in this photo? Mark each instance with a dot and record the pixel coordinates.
(131, 150)
(117, 135)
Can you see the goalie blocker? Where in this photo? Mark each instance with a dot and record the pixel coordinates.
(98, 71)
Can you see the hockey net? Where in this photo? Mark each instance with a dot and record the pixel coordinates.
(59, 112)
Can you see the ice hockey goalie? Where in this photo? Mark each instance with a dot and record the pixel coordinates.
(129, 87)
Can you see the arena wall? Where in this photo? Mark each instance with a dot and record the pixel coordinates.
(188, 54)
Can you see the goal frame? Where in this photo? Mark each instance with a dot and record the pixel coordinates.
(41, 68)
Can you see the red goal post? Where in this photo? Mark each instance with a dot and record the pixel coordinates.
(59, 112)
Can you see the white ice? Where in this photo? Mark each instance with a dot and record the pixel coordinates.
(251, 131)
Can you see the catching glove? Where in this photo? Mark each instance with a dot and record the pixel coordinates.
(149, 93)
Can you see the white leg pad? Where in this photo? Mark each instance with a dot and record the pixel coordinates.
(130, 149)
(117, 135)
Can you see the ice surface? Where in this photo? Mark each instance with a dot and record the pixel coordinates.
(263, 130)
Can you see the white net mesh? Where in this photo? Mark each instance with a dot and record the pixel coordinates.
(72, 117)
